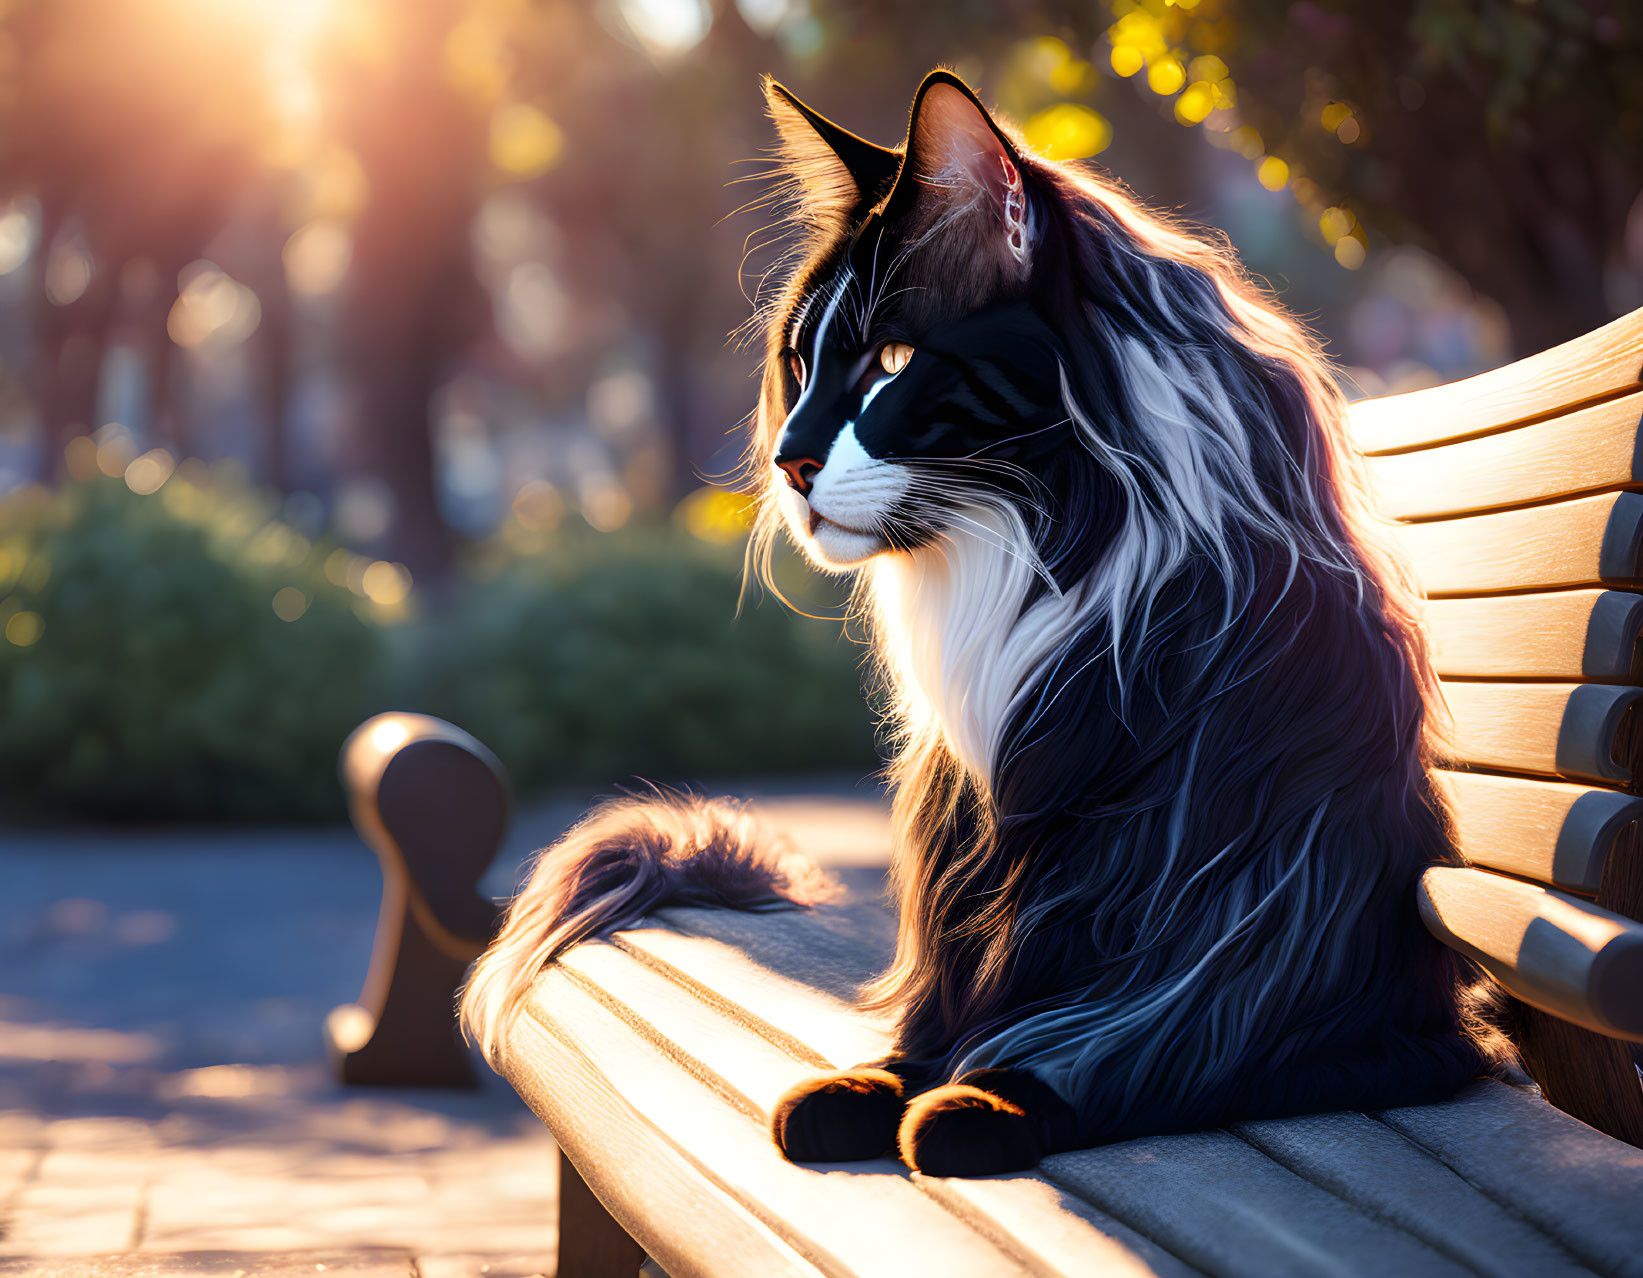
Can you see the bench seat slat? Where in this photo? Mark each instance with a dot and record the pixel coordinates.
(1586, 451)
(1226, 1208)
(1549, 729)
(873, 1221)
(1574, 1183)
(740, 1061)
(1588, 541)
(1564, 956)
(653, 1185)
(1060, 1229)
(1550, 831)
(1368, 1164)
(1573, 634)
(836, 1032)
(1601, 363)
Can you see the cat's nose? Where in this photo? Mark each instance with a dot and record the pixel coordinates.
(801, 472)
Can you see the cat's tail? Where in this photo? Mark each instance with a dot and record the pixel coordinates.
(624, 859)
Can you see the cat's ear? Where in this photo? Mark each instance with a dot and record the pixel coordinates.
(833, 170)
(957, 155)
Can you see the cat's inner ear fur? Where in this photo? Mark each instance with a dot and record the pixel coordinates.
(962, 160)
(833, 171)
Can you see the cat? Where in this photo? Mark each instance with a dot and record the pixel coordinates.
(1160, 696)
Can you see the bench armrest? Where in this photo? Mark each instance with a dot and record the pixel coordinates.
(1565, 956)
(432, 803)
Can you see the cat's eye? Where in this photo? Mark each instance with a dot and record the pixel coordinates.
(795, 365)
(893, 357)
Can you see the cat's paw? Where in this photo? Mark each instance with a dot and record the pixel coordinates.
(989, 1120)
(960, 1130)
(845, 1116)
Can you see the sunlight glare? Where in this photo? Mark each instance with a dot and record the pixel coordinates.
(668, 26)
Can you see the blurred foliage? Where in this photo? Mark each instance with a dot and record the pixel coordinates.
(1504, 137)
(626, 657)
(145, 671)
(187, 654)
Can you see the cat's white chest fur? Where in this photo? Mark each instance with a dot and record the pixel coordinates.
(959, 647)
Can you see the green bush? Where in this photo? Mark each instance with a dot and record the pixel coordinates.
(148, 668)
(628, 658)
(145, 671)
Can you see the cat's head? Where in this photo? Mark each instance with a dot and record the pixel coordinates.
(907, 367)
(979, 338)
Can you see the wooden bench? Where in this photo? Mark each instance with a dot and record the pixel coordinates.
(656, 1055)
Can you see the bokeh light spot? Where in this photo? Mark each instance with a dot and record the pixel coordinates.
(538, 506)
(716, 515)
(316, 258)
(24, 628)
(386, 584)
(1166, 77)
(1350, 252)
(148, 473)
(1196, 103)
(1272, 173)
(212, 307)
(1068, 131)
(524, 142)
(289, 603)
(1127, 60)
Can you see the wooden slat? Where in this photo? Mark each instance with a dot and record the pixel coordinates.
(872, 1221)
(1588, 541)
(1549, 831)
(1226, 1208)
(1571, 1182)
(1562, 955)
(1064, 1233)
(1374, 1168)
(1601, 363)
(1587, 451)
(1573, 634)
(1549, 729)
(835, 1033)
(653, 1185)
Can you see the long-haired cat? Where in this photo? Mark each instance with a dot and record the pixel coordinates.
(1160, 702)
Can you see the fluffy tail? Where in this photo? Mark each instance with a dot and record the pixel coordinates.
(624, 859)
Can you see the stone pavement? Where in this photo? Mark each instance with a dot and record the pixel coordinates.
(164, 1105)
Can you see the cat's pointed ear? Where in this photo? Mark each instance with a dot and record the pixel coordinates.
(833, 169)
(957, 154)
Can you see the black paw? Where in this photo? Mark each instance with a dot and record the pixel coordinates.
(959, 1130)
(841, 1117)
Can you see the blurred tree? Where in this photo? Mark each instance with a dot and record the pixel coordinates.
(134, 127)
(1503, 136)
(410, 88)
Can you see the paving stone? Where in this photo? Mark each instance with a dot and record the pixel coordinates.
(69, 1232)
(485, 1265)
(373, 1263)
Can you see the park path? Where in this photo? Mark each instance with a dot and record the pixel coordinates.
(164, 1105)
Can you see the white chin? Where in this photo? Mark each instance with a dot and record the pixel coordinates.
(834, 547)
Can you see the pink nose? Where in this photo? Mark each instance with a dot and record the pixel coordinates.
(800, 471)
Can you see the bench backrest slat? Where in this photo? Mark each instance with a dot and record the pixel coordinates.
(1597, 366)
(1572, 959)
(1587, 541)
(1567, 730)
(1570, 635)
(1553, 832)
(1586, 451)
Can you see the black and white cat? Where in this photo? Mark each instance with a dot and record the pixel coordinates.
(1160, 698)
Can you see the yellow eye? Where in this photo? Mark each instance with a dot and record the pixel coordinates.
(893, 357)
